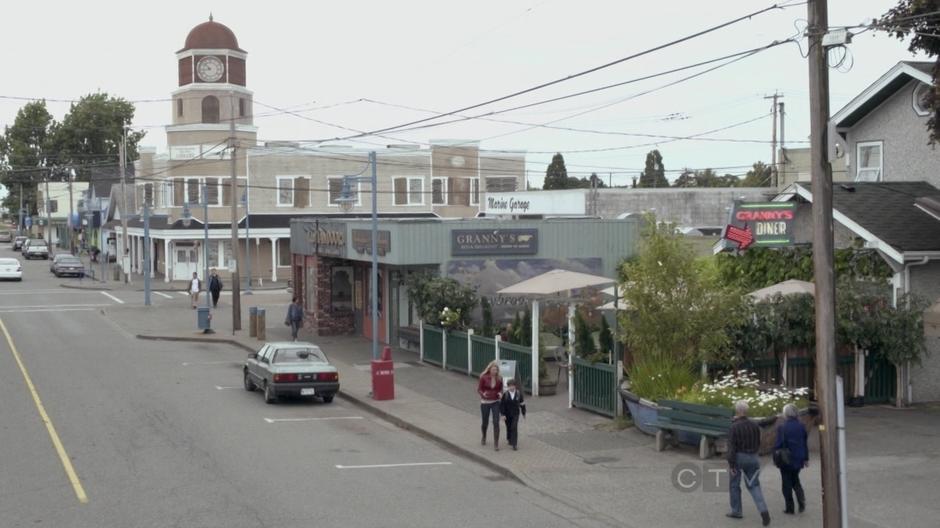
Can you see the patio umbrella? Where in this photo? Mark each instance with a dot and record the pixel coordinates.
(789, 287)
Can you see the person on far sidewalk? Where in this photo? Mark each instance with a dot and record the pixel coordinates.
(215, 287)
(791, 436)
(195, 286)
(743, 460)
(295, 317)
(490, 388)
(512, 405)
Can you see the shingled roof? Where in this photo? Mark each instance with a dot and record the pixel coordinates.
(888, 210)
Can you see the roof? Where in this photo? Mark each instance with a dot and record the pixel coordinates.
(555, 281)
(258, 221)
(886, 211)
(211, 35)
(889, 83)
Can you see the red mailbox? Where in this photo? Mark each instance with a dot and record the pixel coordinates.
(383, 376)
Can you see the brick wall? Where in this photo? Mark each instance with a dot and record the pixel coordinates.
(327, 322)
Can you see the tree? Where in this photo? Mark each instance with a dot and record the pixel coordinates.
(915, 19)
(556, 176)
(606, 338)
(91, 132)
(654, 175)
(25, 154)
(486, 308)
(760, 175)
(583, 342)
(686, 179)
(431, 294)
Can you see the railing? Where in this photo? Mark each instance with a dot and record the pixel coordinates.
(595, 387)
(433, 345)
(482, 352)
(456, 351)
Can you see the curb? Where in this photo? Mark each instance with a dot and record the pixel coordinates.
(164, 290)
(366, 406)
(86, 288)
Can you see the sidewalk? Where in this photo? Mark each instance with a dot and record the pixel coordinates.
(568, 454)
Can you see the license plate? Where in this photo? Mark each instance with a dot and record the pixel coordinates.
(307, 392)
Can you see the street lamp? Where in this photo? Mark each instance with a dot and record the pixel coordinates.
(346, 201)
(247, 244)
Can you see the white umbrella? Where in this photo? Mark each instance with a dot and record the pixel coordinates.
(789, 287)
(555, 281)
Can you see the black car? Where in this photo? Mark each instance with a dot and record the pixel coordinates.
(65, 264)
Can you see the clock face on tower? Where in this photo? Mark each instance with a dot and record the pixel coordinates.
(209, 69)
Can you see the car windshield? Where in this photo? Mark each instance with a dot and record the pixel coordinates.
(295, 355)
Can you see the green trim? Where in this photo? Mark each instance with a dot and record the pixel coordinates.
(779, 205)
(774, 241)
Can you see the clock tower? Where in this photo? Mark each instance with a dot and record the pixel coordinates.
(212, 92)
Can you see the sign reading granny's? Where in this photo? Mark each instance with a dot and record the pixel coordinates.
(535, 203)
(465, 242)
(765, 224)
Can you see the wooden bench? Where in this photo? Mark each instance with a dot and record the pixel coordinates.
(709, 422)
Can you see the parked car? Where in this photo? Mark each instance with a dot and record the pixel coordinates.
(10, 269)
(6, 236)
(65, 264)
(291, 369)
(35, 248)
(18, 243)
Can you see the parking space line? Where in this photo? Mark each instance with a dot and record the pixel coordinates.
(56, 441)
(380, 466)
(219, 387)
(192, 363)
(312, 419)
(161, 294)
(113, 298)
(50, 309)
(184, 294)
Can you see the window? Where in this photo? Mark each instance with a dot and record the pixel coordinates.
(53, 206)
(336, 191)
(212, 191)
(921, 96)
(226, 254)
(475, 191)
(409, 191)
(285, 191)
(214, 254)
(341, 288)
(283, 252)
(179, 107)
(241, 107)
(870, 161)
(226, 184)
(210, 109)
(192, 191)
(439, 191)
(179, 191)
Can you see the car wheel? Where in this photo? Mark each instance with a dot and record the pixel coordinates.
(249, 385)
(269, 396)
(327, 398)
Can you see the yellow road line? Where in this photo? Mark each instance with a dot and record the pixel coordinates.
(56, 442)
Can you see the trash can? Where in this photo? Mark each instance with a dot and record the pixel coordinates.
(253, 321)
(203, 317)
(115, 273)
(383, 376)
(261, 325)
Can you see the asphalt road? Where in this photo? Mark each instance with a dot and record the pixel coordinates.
(161, 435)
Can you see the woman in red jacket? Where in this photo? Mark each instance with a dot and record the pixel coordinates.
(490, 389)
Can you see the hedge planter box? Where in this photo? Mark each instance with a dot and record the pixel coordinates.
(645, 412)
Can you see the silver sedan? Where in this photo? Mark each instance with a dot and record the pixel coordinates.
(291, 369)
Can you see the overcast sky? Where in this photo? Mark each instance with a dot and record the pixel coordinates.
(442, 55)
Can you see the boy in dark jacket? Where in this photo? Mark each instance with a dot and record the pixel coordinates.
(215, 287)
(511, 405)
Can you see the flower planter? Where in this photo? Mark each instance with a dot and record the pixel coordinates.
(643, 412)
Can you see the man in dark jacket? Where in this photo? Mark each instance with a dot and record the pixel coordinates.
(511, 405)
(215, 287)
(743, 446)
(792, 436)
(295, 317)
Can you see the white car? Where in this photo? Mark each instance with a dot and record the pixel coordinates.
(10, 268)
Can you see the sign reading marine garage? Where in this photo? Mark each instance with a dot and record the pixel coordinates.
(473, 242)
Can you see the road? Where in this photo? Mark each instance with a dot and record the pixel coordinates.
(163, 435)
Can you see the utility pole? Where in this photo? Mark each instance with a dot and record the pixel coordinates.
(147, 263)
(783, 144)
(122, 151)
(68, 224)
(48, 229)
(236, 286)
(821, 173)
(773, 139)
(19, 226)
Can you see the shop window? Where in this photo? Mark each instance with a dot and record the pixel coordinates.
(501, 184)
(439, 191)
(210, 109)
(475, 191)
(341, 288)
(870, 162)
(283, 252)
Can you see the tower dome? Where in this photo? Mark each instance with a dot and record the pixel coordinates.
(211, 35)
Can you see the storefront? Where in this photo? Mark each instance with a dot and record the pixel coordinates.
(332, 262)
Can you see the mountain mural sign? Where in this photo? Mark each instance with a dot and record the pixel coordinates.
(764, 224)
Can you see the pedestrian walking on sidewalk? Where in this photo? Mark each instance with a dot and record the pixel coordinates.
(791, 454)
(511, 406)
(195, 286)
(215, 287)
(743, 461)
(490, 388)
(295, 317)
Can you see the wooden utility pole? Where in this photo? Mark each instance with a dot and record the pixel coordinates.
(821, 173)
(773, 140)
(68, 225)
(48, 207)
(236, 285)
(125, 262)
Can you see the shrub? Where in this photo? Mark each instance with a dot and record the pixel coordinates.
(744, 385)
(660, 379)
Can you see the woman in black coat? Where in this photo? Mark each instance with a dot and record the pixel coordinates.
(792, 437)
(511, 405)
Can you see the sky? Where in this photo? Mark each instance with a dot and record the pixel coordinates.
(324, 59)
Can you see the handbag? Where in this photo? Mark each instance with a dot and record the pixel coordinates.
(782, 457)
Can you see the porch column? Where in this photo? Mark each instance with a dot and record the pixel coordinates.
(167, 260)
(273, 259)
(153, 258)
(256, 264)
